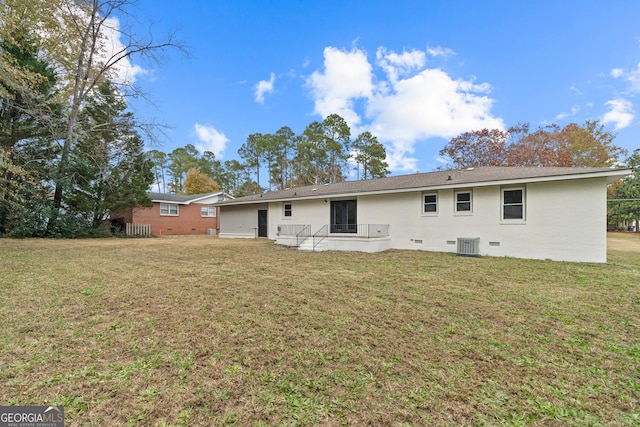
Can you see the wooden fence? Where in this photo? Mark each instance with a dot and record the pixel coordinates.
(143, 230)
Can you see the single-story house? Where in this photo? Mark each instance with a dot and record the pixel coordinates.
(524, 212)
(174, 214)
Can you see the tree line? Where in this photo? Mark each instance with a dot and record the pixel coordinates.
(323, 153)
(72, 155)
(70, 152)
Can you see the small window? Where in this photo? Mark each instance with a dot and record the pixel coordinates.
(209, 211)
(430, 204)
(513, 204)
(168, 209)
(463, 201)
(287, 209)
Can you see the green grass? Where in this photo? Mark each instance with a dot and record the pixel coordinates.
(205, 331)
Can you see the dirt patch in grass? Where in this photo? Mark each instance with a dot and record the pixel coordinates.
(206, 331)
(626, 242)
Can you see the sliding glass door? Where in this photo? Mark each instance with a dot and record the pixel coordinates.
(344, 216)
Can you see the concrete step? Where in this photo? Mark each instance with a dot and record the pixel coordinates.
(307, 246)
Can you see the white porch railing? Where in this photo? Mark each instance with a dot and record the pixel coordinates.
(143, 230)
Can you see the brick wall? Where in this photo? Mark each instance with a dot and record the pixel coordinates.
(188, 220)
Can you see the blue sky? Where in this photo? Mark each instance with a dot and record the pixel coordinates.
(414, 73)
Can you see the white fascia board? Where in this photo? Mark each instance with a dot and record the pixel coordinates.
(206, 196)
(218, 194)
(613, 175)
(168, 202)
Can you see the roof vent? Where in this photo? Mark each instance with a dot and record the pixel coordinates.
(468, 246)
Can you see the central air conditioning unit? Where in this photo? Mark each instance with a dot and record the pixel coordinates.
(468, 246)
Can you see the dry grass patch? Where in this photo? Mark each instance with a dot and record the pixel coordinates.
(205, 331)
(627, 242)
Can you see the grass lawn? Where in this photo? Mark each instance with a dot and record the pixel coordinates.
(199, 331)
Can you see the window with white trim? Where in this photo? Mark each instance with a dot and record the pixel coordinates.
(513, 204)
(287, 210)
(208, 211)
(464, 203)
(168, 209)
(430, 203)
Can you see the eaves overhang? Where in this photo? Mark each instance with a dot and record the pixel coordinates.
(325, 191)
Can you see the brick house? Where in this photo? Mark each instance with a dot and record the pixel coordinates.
(173, 214)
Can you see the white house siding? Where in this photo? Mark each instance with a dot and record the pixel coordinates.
(313, 212)
(240, 221)
(565, 221)
(568, 220)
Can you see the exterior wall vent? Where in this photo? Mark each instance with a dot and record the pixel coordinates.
(468, 246)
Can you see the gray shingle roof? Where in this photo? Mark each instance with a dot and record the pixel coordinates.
(177, 198)
(440, 179)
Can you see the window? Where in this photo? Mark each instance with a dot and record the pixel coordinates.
(286, 209)
(168, 209)
(430, 204)
(463, 202)
(208, 211)
(513, 204)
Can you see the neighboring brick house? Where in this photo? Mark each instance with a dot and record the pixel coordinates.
(173, 214)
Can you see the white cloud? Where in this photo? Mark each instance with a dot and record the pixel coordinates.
(264, 86)
(347, 76)
(407, 107)
(123, 72)
(617, 72)
(445, 52)
(634, 79)
(427, 105)
(396, 65)
(210, 140)
(574, 110)
(621, 113)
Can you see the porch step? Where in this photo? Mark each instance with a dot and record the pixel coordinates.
(307, 246)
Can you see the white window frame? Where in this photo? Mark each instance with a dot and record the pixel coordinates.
(209, 213)
(523, 204)
(456, 202)
(425, 203)
(288, 210)
(168, 208)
